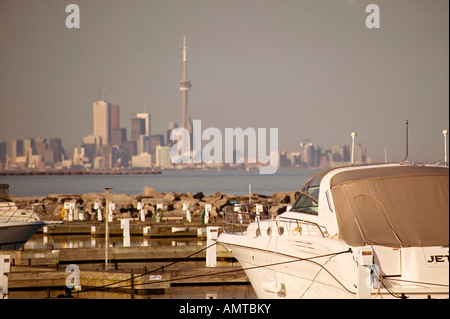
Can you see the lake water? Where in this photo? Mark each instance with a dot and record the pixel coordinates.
(180, 181)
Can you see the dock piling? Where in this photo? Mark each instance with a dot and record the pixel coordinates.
(212, 233)
(125, 225)
(4, 270)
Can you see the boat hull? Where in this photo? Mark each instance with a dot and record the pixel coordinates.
(288, 268)
(297, 271)
(13, 235)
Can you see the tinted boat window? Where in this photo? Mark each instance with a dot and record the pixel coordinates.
(308, 200)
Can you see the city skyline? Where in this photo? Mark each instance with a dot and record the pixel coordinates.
(105, 149)
(313, 70)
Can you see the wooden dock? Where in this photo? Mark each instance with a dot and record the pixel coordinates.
(135, 270)
(171, 227)
(141, 254)
(124, 281)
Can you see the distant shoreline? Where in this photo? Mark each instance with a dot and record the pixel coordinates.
(61, 172)
(209, 181)
(69, 172)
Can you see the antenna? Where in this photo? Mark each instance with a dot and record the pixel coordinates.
(353, 135)
(406, 156)
(445, 132)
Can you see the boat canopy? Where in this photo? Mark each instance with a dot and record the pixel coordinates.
(395, 206)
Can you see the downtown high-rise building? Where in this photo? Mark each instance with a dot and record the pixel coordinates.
(3, 154)
(102, 121)
(115, 117)
(16, 150)
(146, 117)
(137, 128)
(162, 154)
(170, 128)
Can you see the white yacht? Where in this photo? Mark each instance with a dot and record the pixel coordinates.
(17, 225)
(372, 231)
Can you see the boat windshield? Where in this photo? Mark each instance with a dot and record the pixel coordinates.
(308, 200)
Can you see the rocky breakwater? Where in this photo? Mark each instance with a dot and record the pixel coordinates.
(50, 207)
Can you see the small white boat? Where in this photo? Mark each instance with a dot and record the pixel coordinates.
(373, 231)
(17, 225)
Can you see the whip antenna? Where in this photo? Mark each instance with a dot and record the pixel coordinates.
(406, 156)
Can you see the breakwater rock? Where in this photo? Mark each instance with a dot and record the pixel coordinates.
(49, 207)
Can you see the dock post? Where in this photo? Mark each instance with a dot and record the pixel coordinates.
(259, 210)
(125, 225)
(98, 211)
(237, 209)
(112, 207)
(159, 212)
(207, 211)
(69, 212)
(4, 270)
(146, 230)
(76, 215)
(188, 213)
(211, 252)
(107, 227)
(140, 208)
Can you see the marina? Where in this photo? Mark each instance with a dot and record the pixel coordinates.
(313, 244)
(160, 264)
(283, 175)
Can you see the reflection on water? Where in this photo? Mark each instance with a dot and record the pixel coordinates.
(43, 241)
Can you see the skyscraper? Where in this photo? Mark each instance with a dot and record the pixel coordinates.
(185, 85)
(3, 154)
(115, 118)
(146, 118)
(16, 150)
(56, 147)
(137, 128)
(162, 156)
(102, 121)
(171, 127)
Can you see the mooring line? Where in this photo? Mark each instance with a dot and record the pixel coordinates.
(235, 270)
(145, 273)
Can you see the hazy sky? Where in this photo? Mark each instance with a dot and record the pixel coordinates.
(310, 68)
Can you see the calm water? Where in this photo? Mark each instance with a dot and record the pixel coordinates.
(179, 181)
(43, 241)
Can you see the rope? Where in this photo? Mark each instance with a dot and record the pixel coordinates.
(297, 259)
(145, 273)
(390, 291)
(235, 270)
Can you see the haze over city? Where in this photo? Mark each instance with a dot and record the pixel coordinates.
(312, 69)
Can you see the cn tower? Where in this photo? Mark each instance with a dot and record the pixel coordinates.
(185, 85)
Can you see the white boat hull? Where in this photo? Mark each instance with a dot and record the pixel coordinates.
(290, 268)
(292, 275)
(13, 235)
